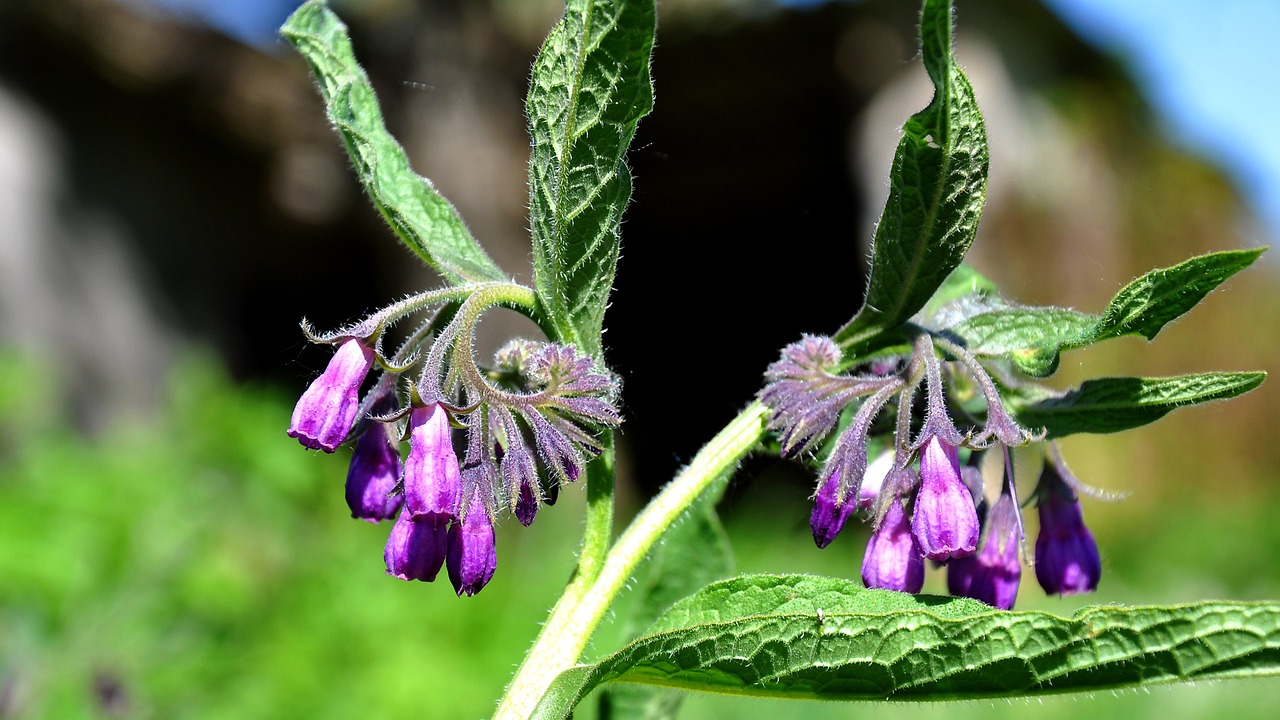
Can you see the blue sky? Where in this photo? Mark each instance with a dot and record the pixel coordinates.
(1210, 67)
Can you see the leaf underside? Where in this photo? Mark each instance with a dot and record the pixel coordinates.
(763, 635)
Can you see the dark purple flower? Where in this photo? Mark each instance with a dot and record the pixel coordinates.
(527, 503)
(432, 481)
(373, 474)
(993, 574)
(472, 554)
(326, 412)
(1067, 561)
(829, 515)
(416, 549)
(893, 560)
(945, 520)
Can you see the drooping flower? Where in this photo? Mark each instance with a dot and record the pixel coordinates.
(1067, 561)
(416, 548)
(993, 574)
(945, 520)
(373, 475)
(326, 412)
(472, 554)
(893, 560)
(829, 515)
(846, 469)
(432, 482)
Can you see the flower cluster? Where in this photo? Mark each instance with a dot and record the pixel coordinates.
(921, 499)
(480, 441)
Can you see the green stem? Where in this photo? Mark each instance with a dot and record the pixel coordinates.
(586, 600)
(599, 529)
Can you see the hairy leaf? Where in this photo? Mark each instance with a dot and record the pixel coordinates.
(1106, 405)
(590, 87)
(1033, 337)
(422, 218)
(826, 638)
(937, 186)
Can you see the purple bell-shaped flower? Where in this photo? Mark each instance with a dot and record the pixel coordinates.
(945, 520)
(472, 554)
(373, 475)
(993, 574)
(893, 560)
(1067, 561)
(432, 480)
(416, 549)
(326, 412)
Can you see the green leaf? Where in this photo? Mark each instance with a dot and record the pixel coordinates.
(590, 87)
(424, 220)
(963, 282)
(1145, 305)
(1033, 337)
(1106, 405)
(937, 187)
(763, 635)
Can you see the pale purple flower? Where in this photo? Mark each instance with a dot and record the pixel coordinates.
(873, 480)
(432, 481)
(373, 474)
(893, 560)
(416, 549)
(326, 412)
(472, 555)
(945, 520)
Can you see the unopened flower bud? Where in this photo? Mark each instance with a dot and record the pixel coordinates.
(327, 410)
(829, 516)
(1067, 559)
(472, 554)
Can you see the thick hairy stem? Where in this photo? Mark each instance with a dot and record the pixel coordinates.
(586, 600)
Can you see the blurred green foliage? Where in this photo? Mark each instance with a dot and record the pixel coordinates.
(203, 565)
(206, 566)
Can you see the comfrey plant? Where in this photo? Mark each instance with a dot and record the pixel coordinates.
(935, 377)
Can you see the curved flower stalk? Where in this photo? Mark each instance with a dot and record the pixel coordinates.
(924, 503)
(526, 425)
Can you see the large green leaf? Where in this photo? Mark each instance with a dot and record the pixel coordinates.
(423, 218)
(1033, 337)
(1107, 405)
(590, 87)
(937, 186)
(813, 637)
